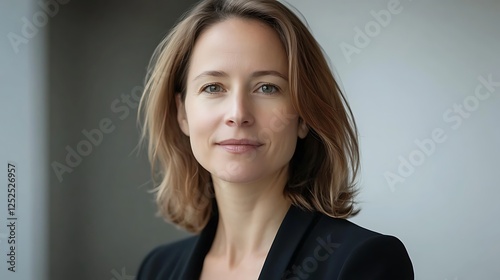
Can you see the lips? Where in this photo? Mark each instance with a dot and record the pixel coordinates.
(239, 146)
(245, 142)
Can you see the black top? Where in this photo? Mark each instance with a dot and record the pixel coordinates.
(308, 245)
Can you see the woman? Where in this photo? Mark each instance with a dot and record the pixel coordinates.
(257, 153)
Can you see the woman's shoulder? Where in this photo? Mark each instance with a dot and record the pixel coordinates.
(350, 234)
(351, 246)
(169, 256)
(343, 228)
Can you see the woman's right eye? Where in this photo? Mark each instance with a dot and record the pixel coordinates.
(212, 88)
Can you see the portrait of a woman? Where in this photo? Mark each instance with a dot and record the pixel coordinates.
(254, 150)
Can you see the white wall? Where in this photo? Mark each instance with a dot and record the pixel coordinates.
(403, 84)
(23, 142)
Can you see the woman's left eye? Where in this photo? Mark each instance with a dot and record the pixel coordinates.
(269, 88)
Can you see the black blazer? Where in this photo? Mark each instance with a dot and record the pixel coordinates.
(308, 245)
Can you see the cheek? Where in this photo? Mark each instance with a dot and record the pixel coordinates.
(280, 121)
(202, 125)
(280, 128)
(198, 117)
(200, 128)
(288, 138)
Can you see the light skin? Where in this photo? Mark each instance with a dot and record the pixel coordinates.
(228, 96)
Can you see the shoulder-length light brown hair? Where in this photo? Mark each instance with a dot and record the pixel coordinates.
(323, 169)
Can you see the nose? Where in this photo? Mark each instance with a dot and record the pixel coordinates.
(239, 109)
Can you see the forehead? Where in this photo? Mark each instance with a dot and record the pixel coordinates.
(238, 43)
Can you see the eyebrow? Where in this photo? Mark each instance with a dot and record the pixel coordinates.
(254, 74)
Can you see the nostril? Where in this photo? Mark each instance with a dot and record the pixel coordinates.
(237, 122)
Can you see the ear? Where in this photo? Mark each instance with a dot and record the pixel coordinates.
(181, 114)
(302, 129)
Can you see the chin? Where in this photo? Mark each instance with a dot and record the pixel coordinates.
(237, 176)
(238, 179)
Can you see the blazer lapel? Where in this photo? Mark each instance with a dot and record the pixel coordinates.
(288, 238)
(194, 265)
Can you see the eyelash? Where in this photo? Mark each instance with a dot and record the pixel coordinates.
(209, 85)
(277, 89)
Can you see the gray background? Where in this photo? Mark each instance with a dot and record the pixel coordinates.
(98, 221)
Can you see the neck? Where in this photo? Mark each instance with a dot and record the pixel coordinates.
(250, 215)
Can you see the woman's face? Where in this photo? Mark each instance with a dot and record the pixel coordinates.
(237, 88)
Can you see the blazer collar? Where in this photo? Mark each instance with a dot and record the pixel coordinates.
(290, 233)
